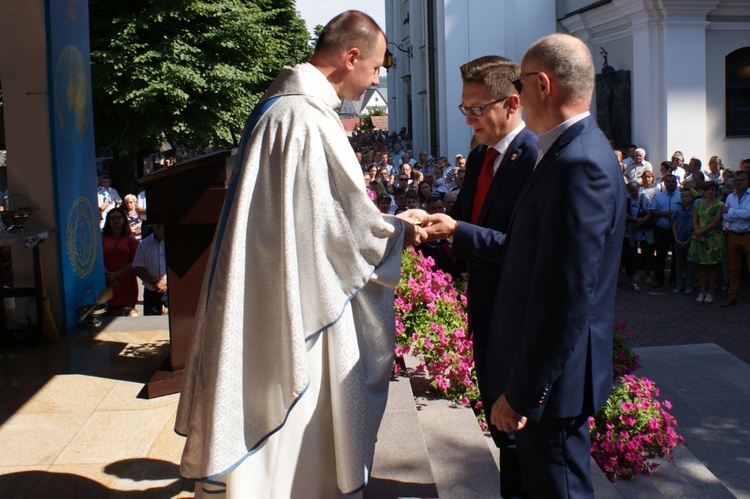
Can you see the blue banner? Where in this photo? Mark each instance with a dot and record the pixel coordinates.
(73, 155)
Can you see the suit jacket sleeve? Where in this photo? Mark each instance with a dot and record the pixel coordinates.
(473, 241)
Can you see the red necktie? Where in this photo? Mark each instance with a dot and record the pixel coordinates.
(483, 185)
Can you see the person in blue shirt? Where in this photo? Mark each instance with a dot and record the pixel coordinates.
(736, 215)
(682, 230)
(662, 207)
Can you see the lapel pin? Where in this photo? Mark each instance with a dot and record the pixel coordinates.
(513, 156)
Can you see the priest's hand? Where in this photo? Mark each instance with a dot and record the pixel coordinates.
(414, 216)
(439, 226)
(413, 220)
(504, 417)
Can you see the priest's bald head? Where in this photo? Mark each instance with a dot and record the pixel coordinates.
(349, 52)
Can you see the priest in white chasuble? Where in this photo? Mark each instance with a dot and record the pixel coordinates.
(287, 373)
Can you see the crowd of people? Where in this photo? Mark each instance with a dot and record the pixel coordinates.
(700, 216)
(131, 249)
(681, 214)
(390, 168)
(296, 313)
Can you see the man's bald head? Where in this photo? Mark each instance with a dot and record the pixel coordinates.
(569, 61)
(349, 29)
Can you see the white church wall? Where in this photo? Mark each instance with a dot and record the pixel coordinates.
(475, 28)
(719, 43)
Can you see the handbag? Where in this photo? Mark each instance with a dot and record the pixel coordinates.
(642, 212)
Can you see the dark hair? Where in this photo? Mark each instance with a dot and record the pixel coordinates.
(107, 230)
(708, 185)
(379, 186)
(399, 191)
(412, 194)
(419, 191)
(347, 30)
(434, 196)
(494, 72)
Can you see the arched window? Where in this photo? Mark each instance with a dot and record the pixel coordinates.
(737, 66)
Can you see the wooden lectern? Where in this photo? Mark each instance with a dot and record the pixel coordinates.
(187, 198)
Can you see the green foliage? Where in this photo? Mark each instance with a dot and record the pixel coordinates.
(186, 70)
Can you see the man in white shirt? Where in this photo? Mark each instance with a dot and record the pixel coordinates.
(639, 165)
(737, 215)
(107, 196)
(677, 170)
(631, 156)
(150, 265)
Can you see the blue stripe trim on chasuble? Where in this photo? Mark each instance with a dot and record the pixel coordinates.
(250, 125)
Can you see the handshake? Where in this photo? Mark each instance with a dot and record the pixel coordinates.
(421, 227)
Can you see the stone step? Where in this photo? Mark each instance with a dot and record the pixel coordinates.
(461, 462)
(710, 393)
(430, 447)
(685, 477)
(401, 466)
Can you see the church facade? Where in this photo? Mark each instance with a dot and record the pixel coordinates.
(677, 70)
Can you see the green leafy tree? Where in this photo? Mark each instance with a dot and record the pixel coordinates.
(185, 71)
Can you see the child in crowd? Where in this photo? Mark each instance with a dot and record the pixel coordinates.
(384, 203)
(682, 229)
(412, 200)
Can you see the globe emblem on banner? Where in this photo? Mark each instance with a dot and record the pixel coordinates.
(71, 91)
(82, 236)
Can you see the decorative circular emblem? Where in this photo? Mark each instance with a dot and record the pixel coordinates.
(82, 236)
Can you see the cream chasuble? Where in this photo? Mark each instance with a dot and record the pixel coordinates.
(288, 368)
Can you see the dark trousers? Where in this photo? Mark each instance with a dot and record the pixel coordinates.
(152, 302)
(632, 261)
(511, 484)
(555, 458)
(664, 242)
(629, 258)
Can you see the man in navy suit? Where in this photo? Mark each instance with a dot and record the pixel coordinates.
(548, 361)
(496, 171)
(549, 355)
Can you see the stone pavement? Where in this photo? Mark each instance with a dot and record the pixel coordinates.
(661, 318)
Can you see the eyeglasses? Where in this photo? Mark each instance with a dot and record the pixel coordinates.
(477, 110)
(518, 84)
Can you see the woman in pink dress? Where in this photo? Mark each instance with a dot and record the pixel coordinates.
(118, 246)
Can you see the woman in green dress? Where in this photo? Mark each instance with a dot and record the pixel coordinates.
(707, 246)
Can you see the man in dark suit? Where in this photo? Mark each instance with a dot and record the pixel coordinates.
(548, 361)
(549, 355)
(496, 171)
